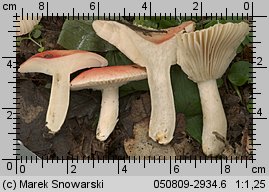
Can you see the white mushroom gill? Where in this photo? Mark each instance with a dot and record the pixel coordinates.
(204, 56)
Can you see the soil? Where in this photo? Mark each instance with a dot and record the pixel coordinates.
(77, 136)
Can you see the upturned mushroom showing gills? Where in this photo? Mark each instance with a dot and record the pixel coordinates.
(108, 79)
(204, 56)
(60, 64)
(156, 52)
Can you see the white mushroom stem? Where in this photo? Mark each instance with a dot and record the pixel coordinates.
(109, 113)
(204, 56)
(59, 101)
(108, 79)
(162, 122)
(156, 54)
(214, 120)
(60, 64)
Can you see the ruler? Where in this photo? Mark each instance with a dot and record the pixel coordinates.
(21, 170)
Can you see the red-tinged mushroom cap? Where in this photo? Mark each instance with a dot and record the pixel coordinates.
(55, 61)
(166, 34)
(60, 64)
(108, 79)
(51, 54)
(99, 78)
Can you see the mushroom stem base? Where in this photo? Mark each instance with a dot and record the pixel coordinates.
(59, 102)
(108, 113)
(163, 115)
(214, 119)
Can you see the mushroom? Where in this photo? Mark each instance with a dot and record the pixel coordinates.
(60, 64)
(26, 25)
(204, 56)
(156, 52)
(108, 79)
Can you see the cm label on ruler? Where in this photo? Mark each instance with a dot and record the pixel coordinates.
(153, 122)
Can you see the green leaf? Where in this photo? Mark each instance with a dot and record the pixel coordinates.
(186, 94)
(234, 19)
(187, 101)
(190, 18)
(134, 86)
(250, 106)
(194, 127)
(117, 58)
(220, 82)
(210, 23)
(36, 33)
(159, 23)
(79, 34)
(240, 48)
(248, 39)
(223, 20)
(41, 49)
(18, 41)
(38, 26)
(238, 74)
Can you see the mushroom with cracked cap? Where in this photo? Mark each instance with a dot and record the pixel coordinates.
(157, 52)
(204, 56)
(108, 79)
(60, 64)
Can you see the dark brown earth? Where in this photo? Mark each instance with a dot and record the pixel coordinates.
(77, 136)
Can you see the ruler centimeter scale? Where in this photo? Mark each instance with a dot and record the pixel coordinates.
(18, 164)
